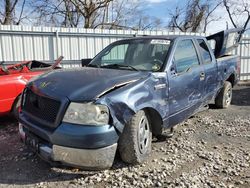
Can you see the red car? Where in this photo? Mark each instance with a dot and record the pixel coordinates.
(13, 79)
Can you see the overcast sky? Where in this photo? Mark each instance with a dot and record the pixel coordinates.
(161, 9)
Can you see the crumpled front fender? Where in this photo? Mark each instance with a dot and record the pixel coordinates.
(124, 102)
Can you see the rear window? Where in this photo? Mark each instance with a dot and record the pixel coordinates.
(204, 51)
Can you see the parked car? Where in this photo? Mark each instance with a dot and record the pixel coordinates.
(13, 79)
(132, 90)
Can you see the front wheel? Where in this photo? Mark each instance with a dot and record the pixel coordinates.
(135, 141)
(224, 97)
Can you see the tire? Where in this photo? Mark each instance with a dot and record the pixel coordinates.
(135, 141)
(16, 106)
(224, 97)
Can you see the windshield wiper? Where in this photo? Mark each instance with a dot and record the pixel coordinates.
(93, 65)
(119, 65)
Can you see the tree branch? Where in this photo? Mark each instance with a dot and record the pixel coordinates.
(229, 13)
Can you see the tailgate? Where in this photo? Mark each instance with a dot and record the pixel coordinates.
(225, 41)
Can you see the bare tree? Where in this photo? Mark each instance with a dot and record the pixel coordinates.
(8, 13)
(70, 13)
(237, 10)
(56, 13)
(72, 16)
(90, 10)
(20, 18)
(118, 14)
(128, 14)
(109, 14)
(194, 17)
(209, 17)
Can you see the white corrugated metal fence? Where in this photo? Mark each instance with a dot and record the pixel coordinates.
(19, 43)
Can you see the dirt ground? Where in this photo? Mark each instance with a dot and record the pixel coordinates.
(211, 149)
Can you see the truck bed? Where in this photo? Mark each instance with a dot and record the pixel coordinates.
(226, 66)
(227, 58)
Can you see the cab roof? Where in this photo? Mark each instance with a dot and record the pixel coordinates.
(168, 37)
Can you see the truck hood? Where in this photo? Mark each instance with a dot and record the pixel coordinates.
(83, 84)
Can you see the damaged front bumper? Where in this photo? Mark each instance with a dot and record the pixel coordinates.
(100, 158)
(98, 155)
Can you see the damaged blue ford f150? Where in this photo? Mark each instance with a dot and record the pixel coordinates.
(131, 91)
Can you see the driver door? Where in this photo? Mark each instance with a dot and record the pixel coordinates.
(186, 82)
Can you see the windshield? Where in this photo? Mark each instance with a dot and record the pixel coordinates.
(138, 54)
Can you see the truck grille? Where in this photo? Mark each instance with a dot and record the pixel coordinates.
(40, 107)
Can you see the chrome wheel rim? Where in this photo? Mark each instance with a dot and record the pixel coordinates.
(228, 96)
(143, 135)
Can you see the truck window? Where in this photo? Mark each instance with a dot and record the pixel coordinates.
(116, 54)
(204, 51)
(138, 54)
(143, 53)
(160, 51)
(185, 56)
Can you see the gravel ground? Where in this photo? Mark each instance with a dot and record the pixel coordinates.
(211, 149)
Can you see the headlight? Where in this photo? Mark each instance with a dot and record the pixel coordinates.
(87, 113)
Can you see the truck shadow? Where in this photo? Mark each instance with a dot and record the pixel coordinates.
(241, 96)
(7, 120)
(20, 166)
(35, 171)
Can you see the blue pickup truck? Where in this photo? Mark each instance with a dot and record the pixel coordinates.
(131, 91)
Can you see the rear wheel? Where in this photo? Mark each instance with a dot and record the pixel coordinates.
(135, 141)
(224, 98)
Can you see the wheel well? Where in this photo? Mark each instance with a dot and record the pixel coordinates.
(155, 120)
(231, 79)
(15, 101)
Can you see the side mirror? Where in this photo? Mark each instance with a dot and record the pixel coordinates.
(85, 62)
